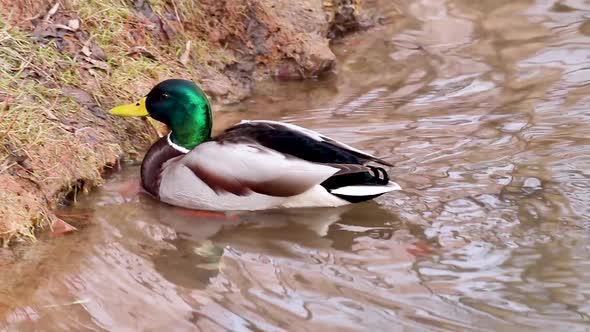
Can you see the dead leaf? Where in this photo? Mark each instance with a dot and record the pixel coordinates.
(97, 52)
(67, 44)
(141, 51)
(60, 227)
(74, 24)
(80, 96)
(92, 63)
(86, 50)
(86, 47)
(90, 48)
(85, 99)
(43, 31)
(161, 28)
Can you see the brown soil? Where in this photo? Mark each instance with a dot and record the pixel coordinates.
(62, 64)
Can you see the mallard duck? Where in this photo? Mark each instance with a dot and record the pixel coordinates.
(254, 165)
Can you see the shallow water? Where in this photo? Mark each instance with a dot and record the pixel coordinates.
(483, 107)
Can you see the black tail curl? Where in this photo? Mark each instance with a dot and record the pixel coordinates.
(380, 176)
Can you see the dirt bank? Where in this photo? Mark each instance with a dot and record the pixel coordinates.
(62, 64)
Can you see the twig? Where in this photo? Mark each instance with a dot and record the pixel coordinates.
(185, 56)
(51, 12)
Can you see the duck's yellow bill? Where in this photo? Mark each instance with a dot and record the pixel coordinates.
(135, 109)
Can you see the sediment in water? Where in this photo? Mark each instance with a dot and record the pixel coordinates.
(62, 64)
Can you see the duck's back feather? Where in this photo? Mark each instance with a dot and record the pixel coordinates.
(306, 144)
(297, 141)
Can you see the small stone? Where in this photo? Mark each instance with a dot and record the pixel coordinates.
(533, 183)
(74, 24)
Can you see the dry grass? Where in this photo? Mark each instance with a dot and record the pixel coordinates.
(40, 152)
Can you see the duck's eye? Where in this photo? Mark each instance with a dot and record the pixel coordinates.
(164, 96)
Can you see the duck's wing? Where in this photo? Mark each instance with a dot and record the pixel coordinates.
(282, 160)
(243, 168)
(297, 141)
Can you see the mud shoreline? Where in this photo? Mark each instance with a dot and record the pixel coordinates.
(62, 64)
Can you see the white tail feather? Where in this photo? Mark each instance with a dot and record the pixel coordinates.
(366, 190)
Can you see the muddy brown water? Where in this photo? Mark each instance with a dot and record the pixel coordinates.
(483, 107)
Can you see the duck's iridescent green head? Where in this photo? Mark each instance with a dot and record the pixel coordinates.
(181, 105)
